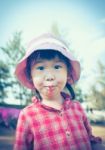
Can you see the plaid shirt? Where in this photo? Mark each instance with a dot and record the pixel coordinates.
(44, 128)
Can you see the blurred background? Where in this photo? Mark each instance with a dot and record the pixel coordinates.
(80, 23)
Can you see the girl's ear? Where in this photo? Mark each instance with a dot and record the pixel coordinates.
(30, 80)
(69, 78)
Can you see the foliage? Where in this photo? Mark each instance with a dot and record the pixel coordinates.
(98, 89)
(9, 117)
(78, 93)
(4, 75)
(96, 117)
(14, 51)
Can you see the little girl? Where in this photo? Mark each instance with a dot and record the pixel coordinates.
(54, 121)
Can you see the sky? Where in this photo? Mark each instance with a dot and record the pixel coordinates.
(81, 22)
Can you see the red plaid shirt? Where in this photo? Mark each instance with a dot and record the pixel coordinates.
(42, 128)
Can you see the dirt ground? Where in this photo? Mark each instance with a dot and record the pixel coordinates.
(7, 136)
(99, 131)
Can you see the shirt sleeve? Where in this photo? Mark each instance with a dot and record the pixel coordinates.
(23, 137)
(93, 139)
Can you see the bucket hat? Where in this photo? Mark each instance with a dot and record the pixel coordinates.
(46, 41)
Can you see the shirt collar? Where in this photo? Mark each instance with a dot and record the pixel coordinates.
(66, 103)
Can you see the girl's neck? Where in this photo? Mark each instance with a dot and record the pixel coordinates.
(55, 103)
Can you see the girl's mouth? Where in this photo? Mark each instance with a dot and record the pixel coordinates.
(50, 88)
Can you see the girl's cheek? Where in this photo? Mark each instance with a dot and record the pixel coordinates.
(34, 73)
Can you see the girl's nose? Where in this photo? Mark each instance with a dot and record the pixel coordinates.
(49, 77)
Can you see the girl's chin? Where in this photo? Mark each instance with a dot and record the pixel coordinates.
(49, 95)
(50, 91)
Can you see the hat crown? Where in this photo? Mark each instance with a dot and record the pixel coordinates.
(45, 39)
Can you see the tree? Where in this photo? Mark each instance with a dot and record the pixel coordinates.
(14, 51)
(4, 75)
(98, 89)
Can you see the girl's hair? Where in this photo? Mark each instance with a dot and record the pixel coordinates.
(47, 54)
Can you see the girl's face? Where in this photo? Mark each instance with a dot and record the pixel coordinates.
(49, 77)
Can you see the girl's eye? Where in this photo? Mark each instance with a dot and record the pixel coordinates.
(40, 68)
(57, 66)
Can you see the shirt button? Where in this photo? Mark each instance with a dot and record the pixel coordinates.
(60, 114)
(67, 133)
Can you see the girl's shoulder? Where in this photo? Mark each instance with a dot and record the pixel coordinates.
(30, 109)
(75, 104)
(78, 104)
(72, 103)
